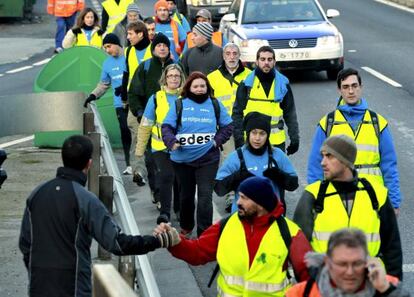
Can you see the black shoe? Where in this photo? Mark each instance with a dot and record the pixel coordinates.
(138, 179)
(163, 218)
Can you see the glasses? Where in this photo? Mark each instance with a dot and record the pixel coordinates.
(175, 76)
(344, 266)
(353, 86)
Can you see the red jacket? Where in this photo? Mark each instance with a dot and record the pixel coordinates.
(203, 250)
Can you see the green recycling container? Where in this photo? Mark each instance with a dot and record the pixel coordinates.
(77, 69)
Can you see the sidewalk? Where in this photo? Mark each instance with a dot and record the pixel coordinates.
(27, 167)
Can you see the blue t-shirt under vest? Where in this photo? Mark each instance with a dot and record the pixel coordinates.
(112, 72)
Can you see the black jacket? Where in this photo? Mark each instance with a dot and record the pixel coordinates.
(145, 83)
(60, 220)
(205, 59)
(390, 249)
(287, 105)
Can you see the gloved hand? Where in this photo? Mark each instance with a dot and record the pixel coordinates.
(100, 32)
(118, 91)
(292, 148)
(169, 238)
(240, 176)
(76, 31)
(88, 100)
(274, 173)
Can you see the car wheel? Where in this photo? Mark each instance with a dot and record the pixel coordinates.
(333, 73)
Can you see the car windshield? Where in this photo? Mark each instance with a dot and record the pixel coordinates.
(269, 11)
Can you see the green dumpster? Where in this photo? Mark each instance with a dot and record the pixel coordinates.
(16, 8)
(77, 69)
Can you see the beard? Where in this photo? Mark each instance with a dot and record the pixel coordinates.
(246, 215)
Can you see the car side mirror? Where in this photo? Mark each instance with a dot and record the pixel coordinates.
(3, 174)
(231, 17)
(332, 13)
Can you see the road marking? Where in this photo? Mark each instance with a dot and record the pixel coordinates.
(1, 75)
(19, 69)
(42, 62)
(352, 51)
(393, 4)
(382, 77)
(17, 141)
(408, 267)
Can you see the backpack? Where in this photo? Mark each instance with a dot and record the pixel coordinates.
(284, 231)
(179, 110)
(331, 117)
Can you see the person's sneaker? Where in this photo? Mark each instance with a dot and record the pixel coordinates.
(163, 218)
(138, 179)
(158, 205)
(58, 50)
(127, 171)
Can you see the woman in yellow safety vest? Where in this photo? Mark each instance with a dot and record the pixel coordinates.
(86, 31)
(171, 82)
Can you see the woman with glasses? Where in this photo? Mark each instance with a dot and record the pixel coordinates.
(171, 82)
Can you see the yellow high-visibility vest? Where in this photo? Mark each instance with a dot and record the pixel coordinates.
(116, 12)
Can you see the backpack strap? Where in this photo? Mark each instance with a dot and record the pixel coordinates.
(223, 223)
(371, 193)
(308, 288)
(374, 119)
(329, 123)
(126, 57)
(318, 205)
(284, 231)
(179, 112)
(241, 159)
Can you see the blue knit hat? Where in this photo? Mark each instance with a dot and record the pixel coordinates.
(260, 190)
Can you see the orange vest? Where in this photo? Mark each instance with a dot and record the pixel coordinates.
(64, 8)
(217, 39)
(299, 289)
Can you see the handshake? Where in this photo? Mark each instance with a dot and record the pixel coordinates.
(168, 236)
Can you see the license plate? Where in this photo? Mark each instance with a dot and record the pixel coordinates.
(223, 10)
(293, 56)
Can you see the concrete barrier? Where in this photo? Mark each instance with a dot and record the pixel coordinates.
(408, 3)
(107, 282)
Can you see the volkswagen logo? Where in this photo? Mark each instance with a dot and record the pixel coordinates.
(293, 43)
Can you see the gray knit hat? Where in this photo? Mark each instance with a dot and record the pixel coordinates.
(341, 147)
(204, 13)
(133, 8)
(204, 29)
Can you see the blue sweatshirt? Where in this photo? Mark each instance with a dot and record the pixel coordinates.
(388, 162)
(112, 72)
(255, 165)
(198, 129)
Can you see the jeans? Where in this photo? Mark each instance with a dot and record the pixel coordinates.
(64, 24)
(190, 177)
(165, 180)
(122, 115)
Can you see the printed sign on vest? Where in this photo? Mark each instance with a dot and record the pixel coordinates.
(195, 138)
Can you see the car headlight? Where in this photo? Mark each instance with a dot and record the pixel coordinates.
(200, 2)
(329, 40)
(254, 43)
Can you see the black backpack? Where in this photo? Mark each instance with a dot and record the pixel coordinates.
(284, 231)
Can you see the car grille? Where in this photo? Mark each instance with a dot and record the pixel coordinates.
(284, 43)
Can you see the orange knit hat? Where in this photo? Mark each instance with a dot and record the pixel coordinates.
(159, 4)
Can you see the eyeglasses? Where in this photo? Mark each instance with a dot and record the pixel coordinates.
(176, 76)
(343, 266)
(347, 87)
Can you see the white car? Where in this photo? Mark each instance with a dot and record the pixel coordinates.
(298, 30)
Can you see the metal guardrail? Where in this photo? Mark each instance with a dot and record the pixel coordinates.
(145, 277)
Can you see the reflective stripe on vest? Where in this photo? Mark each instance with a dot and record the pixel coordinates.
(216, 38)
(368, 156)
(225, 90)
(335, 216)
(116, 12)
(266, 276)
(82, 40)
(258, 101)
(133, 61)
(161, 111)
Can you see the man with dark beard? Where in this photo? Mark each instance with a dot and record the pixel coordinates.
(250, 246)
(256, 158)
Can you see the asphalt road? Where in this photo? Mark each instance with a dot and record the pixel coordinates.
(376, 36)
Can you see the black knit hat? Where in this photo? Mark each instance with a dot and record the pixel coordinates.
(260, 190)
(112, 39)
(160, 38)
(257, 120)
